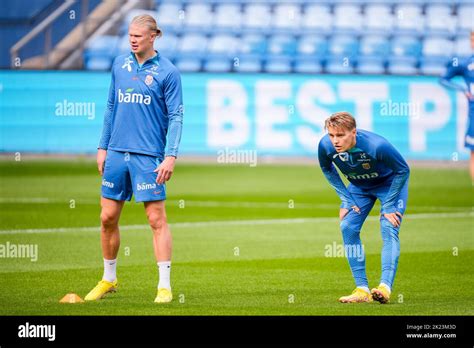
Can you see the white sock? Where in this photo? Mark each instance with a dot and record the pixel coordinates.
(110, 270)
(386, 287)
(365, 288)
(164, 268)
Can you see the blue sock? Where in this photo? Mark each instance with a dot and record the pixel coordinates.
(354, 251)
(390, 251)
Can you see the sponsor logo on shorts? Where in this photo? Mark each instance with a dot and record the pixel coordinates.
(144, 186)
(107, 183)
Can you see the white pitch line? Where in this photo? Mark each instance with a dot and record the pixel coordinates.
(232, 223)
(216, 204)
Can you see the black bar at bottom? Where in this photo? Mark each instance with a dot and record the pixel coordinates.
(418, 330)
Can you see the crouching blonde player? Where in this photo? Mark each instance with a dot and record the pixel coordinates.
(375, 170)
(138, 149)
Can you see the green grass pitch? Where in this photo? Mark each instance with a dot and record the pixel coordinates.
(247, 241)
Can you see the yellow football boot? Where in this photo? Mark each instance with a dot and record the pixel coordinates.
(381, 294)
(357, 296)
(163, 296)
(102, 288)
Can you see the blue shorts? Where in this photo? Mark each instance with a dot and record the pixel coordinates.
(365, 198)
(126, 173)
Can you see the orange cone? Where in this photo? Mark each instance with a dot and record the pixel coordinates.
(71, 298)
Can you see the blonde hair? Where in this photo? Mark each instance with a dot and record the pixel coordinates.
(341, 119)
(149, 22)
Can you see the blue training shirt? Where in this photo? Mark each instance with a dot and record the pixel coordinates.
(373, 161)
(145, 107)
(465, 69)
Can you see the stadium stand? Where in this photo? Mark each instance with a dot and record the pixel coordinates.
(301, 36)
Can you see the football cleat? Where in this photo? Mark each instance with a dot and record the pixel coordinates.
(102, 288)
(357, 296)
(380, 294)
(163, 296)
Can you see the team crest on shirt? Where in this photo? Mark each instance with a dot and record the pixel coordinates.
(149, 80)
(366, 166)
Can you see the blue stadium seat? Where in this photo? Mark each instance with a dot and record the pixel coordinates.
(251, 51)
(222, 49)
(373, 51)
(465, 18)
(406, 46)
(286, 17)
(187, 64)
(280, 51)
(100, 51)
(402, 65)
(123, 45)
(343, 51)
(191, 50)
(308, 65)
(192, 45)
(278, 64)
(257, 17)
(312, 45)
(311, 52)
(248, 64)
(405, 51)
(228, 17)
(343, 46)
(378, 19)
(167, 45)
(253, 44)
(170, 17)
(462, 46)
(281, 45)
(198, 18)
(409, 19)
(439, 19)
(436, 53)
(317, 18)
(347, 18)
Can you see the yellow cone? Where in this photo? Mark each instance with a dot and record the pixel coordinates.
(71, 298)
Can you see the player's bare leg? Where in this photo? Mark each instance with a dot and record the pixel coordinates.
(110, 239)
(109, 228)
(162, 245)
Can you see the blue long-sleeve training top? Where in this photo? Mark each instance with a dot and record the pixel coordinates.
(465, 69)
(373, 161)
(144, 111)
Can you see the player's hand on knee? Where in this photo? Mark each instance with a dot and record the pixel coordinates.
(165, 170)
(394, 218)
(342, 213)
(356, 209)
(101, 155)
